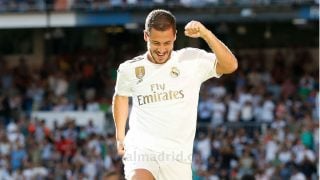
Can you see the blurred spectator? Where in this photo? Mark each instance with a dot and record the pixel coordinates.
(268, 109)
(203, 146)
(246, 113)
(234, 108)
(287, 89)
(205, 108)
(18, 156)
(66, 147)
(218, 112)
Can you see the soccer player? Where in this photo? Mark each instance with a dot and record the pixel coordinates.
(164, 85)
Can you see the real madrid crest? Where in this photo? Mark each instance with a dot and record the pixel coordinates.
(140, 72)
(174, 72)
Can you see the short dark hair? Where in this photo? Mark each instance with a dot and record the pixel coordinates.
(160, 20)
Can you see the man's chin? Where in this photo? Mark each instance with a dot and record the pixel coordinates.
(161, 60)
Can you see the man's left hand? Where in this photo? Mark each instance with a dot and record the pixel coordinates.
(195, 29)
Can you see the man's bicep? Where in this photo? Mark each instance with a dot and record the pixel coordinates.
(120, 115)
(218, 69)
(120, 106)
(120, 99)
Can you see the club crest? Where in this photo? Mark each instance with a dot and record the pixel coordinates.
(174, 72)
(140, 72)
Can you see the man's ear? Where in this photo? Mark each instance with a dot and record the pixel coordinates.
(145, 35)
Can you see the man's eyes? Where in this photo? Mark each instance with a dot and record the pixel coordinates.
(157, 43)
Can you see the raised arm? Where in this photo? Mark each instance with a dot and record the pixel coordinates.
(226, 61)
(120, 109)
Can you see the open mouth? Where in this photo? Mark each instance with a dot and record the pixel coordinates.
(161, 55)
(160, 58)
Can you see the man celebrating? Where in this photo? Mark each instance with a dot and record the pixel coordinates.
(164, 85)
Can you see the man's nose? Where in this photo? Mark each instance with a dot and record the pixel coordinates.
(161, 49)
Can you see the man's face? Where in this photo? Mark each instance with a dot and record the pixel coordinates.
(160, 45)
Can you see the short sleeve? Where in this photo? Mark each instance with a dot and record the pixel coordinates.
(122, 87)
(207, 63)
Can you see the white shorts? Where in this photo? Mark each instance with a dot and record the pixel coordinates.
(157, 164)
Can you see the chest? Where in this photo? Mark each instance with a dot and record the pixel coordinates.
(174, 77)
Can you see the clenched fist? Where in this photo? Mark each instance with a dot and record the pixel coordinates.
(195, 29)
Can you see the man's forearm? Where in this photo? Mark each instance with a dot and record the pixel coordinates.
(226, 60)
(120, 108)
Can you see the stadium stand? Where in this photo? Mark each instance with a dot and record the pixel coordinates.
(66, 5)
(262, 122)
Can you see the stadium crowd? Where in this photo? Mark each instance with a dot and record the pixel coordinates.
(266, 128)
(66, 5)
(262, 122)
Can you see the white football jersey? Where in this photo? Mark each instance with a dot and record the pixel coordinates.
(164, 100)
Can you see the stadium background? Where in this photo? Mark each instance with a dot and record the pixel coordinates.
(58, 69)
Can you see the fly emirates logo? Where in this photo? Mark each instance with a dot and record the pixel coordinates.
(159, 93)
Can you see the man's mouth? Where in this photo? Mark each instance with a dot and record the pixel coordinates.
(161, 54)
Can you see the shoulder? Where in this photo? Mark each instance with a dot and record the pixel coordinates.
(188, 50)
(135, 59)
(189, 53)
(131, 62)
